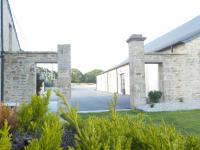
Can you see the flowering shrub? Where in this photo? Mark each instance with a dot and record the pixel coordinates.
(9, 115)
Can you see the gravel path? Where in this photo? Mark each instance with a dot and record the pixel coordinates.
(171, 106)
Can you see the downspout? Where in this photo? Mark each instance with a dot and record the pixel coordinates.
(2, 54)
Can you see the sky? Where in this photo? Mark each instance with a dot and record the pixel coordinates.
(96, 29)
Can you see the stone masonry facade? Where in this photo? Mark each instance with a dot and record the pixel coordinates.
(179, 70)
(20, 72)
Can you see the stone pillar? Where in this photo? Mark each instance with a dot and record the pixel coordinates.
(64, 69)
(161, 80)
(137, 70)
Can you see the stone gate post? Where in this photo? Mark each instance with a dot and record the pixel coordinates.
(137, 70)
(64, 69)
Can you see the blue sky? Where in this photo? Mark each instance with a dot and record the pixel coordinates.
(96, 29)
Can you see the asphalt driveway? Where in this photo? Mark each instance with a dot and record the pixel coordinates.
(89, 99)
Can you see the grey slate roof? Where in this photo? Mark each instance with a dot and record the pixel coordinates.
(126, 61)
(179, 35)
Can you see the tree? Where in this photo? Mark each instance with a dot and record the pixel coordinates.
(90, 77)
(47, 76)
(77, 76)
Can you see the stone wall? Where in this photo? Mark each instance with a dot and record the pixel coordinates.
(20, 72)
(64, 70)
(179, 70)
(170, 74)
(137, 70)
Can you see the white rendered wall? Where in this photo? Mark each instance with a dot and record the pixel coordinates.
(102, 82)
(112, 81)
(125, 70)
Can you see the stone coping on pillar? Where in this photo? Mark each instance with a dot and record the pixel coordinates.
(135, 37)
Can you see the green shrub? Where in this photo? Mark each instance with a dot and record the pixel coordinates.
(125, 133)
(154, 96)
(5, 137)
(51, 138)
(71, 116)
(180, 99)
(30, 117)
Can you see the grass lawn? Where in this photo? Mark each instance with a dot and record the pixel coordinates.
(188, 122)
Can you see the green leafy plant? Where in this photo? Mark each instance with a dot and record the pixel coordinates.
(180, 99)
(51, 138)
(154, 96)
(125, 132)
(69, 113)
(113, 107)
(30, 117)
(152, 105)
(5, 137)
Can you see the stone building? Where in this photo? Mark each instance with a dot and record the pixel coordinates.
(18, 68)
(170, 63)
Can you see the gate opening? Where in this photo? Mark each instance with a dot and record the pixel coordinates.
(151, 77)
(46, 77)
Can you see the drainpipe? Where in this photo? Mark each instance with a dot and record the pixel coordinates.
(2, 55)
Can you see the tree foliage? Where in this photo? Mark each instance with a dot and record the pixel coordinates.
(45, 75)
(77, 76)
(90, 77)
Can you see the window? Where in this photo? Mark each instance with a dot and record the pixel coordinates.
(10, 38)
(122, 76)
